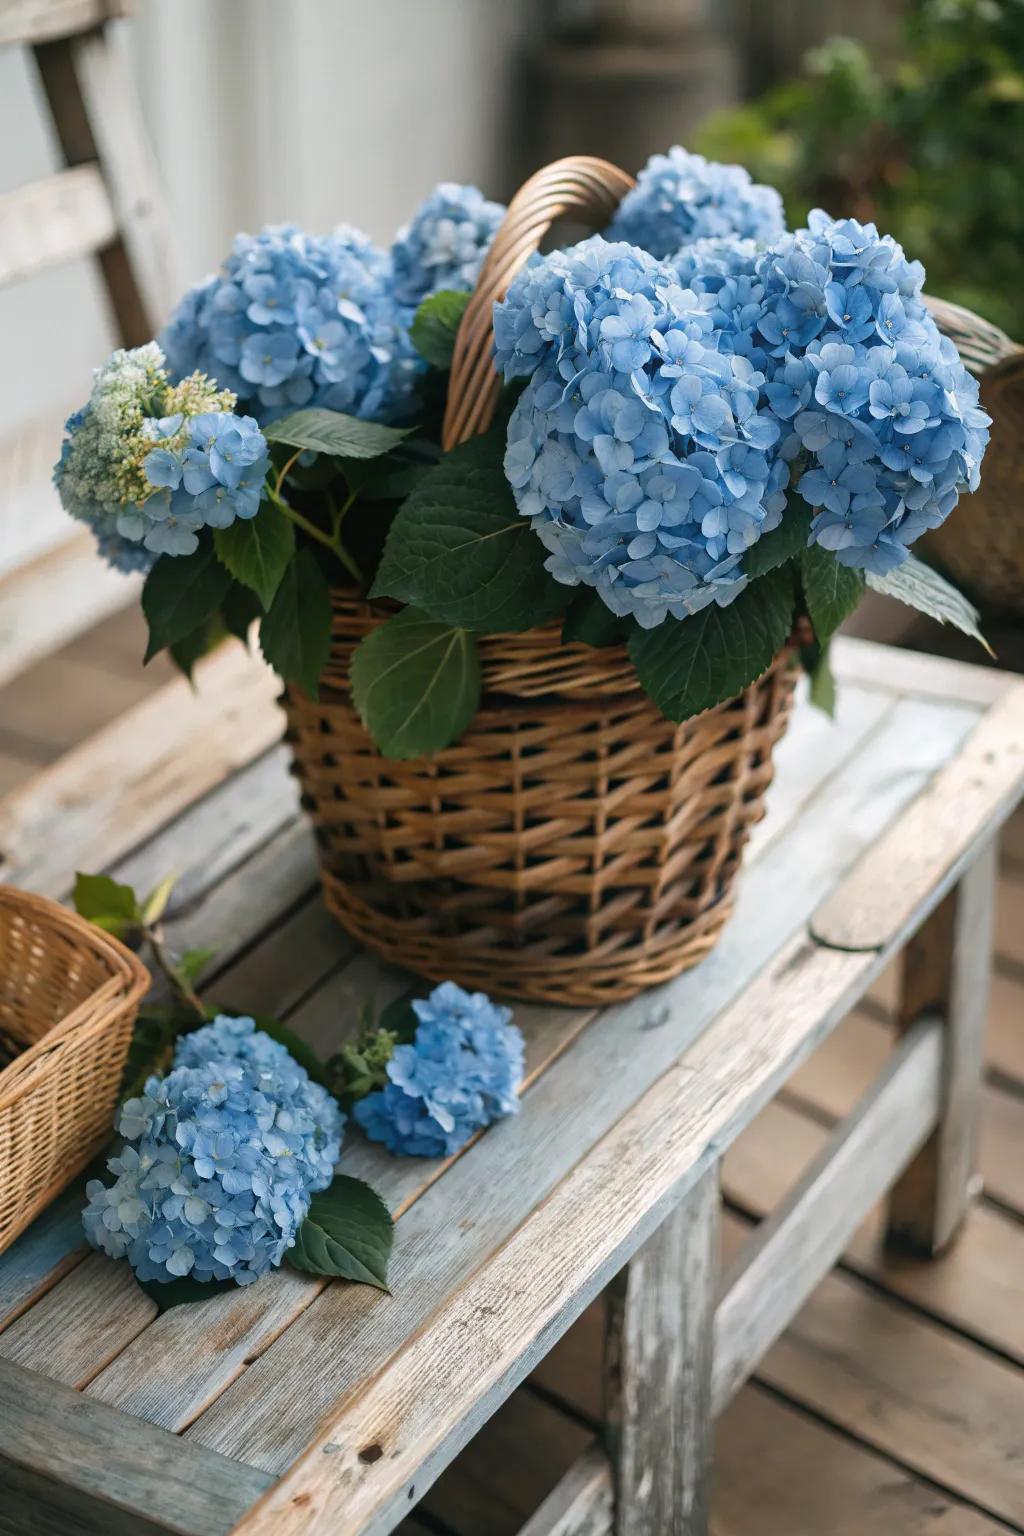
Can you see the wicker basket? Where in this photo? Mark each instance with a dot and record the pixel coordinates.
(68, 996)
(574, 846)
(983, 548)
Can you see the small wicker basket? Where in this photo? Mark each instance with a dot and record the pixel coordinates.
(573, 846)
(68, 998)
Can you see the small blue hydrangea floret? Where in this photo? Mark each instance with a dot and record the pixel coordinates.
(220, 1159)
(444, 244)
(295, 320)
(148, 463)
(641, 449)
(681, 197)
(882, 417)
(462, 1071)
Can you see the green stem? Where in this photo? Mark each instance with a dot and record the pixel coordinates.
(178, 982)
(330, 541)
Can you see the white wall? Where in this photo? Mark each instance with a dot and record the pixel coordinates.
(320, 111)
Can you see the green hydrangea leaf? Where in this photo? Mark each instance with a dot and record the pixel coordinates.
(435, 326)
(816, 664)
(112, 907)
(181, 593)
(416, 683)
(194, 961)
(183, 1292)
(256, 550)
(346, 437)
(239, 610)
(192, 648)
(155, 904)
(832, 591)
(917, 585)
(348, 1233)
(459, 550)
(592, 622)
(689, 665)
(295, 636)
(785, 542)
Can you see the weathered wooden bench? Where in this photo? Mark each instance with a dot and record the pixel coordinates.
(299, 1406)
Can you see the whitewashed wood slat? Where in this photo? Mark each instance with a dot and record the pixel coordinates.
(130, 1384)
(916, 674)
(52, 1245)
(967, 804)
(445, 1234)
(658, 1363)
(799, 1242)
(50, 600)
(36, 21)
(61, 218)
(947, 966)
(67, 1465)
(581, 1504)
(103, 798)
(108, 1308)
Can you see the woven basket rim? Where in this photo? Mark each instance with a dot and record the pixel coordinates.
(127, 985)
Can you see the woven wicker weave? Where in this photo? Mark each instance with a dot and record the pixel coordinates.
(573, 846)
(68, 996)
(982, 547)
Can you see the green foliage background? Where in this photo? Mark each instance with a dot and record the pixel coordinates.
(929, 143)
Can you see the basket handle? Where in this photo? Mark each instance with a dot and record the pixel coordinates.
(580, 185)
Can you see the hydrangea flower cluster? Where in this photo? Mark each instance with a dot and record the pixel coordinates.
(444, 244)
(147, 464)
(462, 1071)
(220, 1160)
(879, 401)
(641, 448)
(294, 320)
(681, 197)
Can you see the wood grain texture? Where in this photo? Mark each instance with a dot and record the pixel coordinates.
(61, 218)
(658, 1360)
(104, 797)
(108, 1308)
(934, 1403)
(946, 967)
(779, 1470)
(69, 1466)
(581, 1505)
(939, 835)
(974, 1288)
(802, 1238)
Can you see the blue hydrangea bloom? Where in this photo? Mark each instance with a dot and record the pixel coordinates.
(148, 463)
(462, 1071)
(221, 1157)
(295, 320)
(641, 448)
(883, 419)
(444, 244)
(681, 197)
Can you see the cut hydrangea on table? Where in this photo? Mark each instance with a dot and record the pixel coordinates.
(220, 1162)
(691, 440)
(463, 1069)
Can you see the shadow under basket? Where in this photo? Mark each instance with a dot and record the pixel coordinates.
(572, 847)
(69, 995)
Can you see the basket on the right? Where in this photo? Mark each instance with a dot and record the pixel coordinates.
(983, 550)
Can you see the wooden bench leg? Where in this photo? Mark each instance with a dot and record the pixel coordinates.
(947, 968)
(661, 1313)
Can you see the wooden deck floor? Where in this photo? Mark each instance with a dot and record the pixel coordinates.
(895, 1405)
